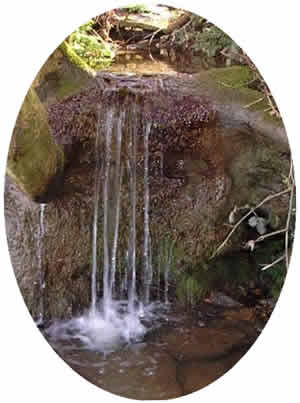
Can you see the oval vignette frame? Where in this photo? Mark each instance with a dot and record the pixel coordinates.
(264, 347)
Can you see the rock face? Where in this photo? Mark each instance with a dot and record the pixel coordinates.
(35, 161)
(63, 74)
(205, 157)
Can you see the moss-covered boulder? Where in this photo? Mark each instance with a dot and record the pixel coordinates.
(35, 162)
(63, 74)
(238, 104)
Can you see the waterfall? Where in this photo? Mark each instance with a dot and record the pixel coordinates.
(121, 237)
(41, 272)
(132, 237)
(148, 273)
(106, 254)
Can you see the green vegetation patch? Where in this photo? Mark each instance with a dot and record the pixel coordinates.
(137, 8)
(90, 47)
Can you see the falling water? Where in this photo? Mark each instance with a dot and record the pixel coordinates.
(132, 237)
(168, 260)
(40, 264)
(95, 225)
(148, 273)
(111, 321)
(106, 257)
(118, 186)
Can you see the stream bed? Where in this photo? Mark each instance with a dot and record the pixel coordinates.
(180, 353)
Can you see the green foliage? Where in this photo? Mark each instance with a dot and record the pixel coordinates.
(95, 52)
(274, 276)
(212, 41)
(137, 8)
(191, 289)
(226, 272)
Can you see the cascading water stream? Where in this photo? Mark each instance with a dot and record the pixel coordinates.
(95, 224)
(111, 321)
(148, 272)
(118, 187)
(106, 255)
(40, 263)
(132, 238)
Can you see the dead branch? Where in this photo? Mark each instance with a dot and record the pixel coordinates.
(267, 266)
(254, 102)
(288, 220)
(251, 211)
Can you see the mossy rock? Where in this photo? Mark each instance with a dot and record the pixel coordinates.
(234, 99)
(63, 74)
(35, 162)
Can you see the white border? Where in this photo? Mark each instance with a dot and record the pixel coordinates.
(29, 32)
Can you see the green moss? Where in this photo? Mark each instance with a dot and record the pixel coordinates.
(137, 8)
(234, 77)
(227, 272)
(34, 160)
(67, 87)
(191, 288)
(75, 59)
(229, 86)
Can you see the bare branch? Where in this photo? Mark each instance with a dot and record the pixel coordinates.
(251, 211)
(267, 266)
(255, 102)
(291, 177)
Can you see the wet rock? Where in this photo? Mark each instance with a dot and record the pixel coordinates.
(65, 263)
(197, 343)
(195, 375)
(247, 314)
(219, 298)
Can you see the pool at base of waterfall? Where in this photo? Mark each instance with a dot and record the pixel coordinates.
(157, 352)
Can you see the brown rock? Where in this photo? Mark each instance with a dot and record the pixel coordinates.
(195, 375)
(197, 343)
(246, 314)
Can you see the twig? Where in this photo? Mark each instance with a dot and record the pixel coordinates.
(270, 234)
(288, 220)
(251, 211)
(255, 102)
(239, 85)
(265, 267)
(151, 39)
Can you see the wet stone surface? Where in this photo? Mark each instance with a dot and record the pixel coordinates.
(176, 359)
